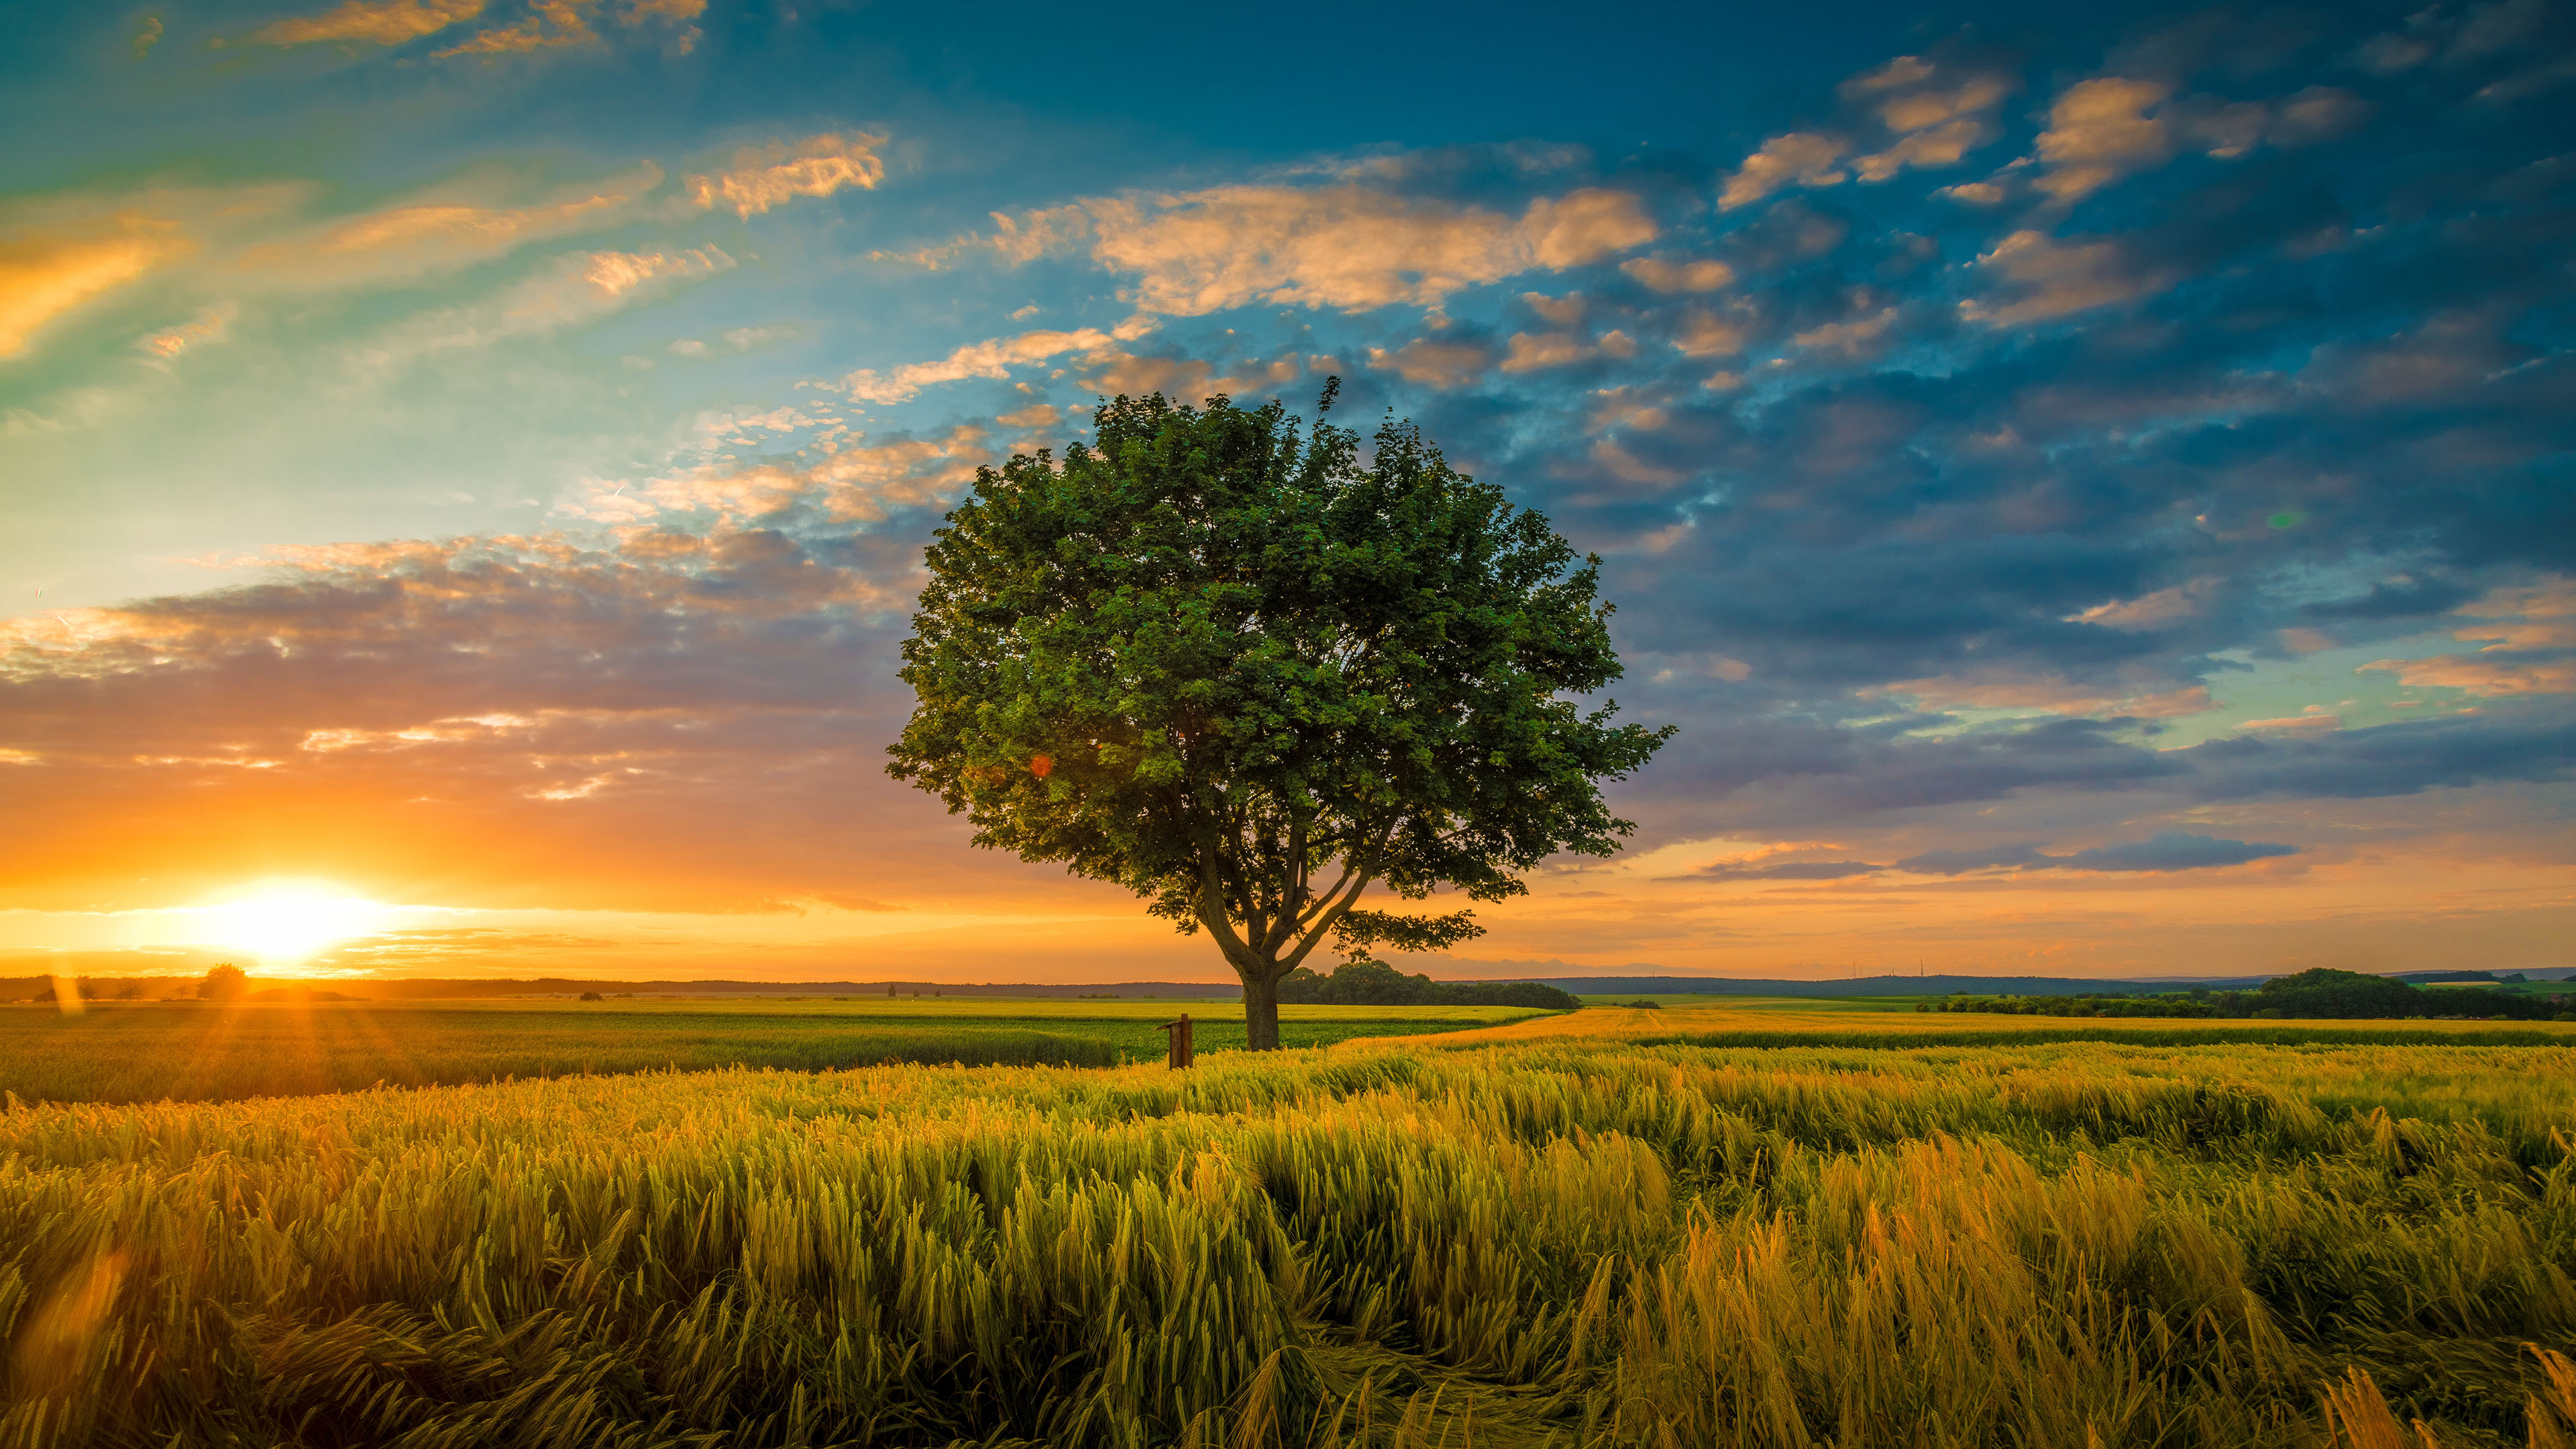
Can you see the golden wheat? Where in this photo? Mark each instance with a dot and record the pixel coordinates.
(1548, 1241)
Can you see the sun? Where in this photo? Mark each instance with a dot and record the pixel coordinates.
(283, 923)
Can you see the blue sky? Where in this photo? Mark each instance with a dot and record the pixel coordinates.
(2094, 492)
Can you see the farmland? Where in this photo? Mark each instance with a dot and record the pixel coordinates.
(1547, 1231)
(131, 1053)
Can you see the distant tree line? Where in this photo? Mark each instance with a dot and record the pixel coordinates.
(2321, 993)
(1366, 981)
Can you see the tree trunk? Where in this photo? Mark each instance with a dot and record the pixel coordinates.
(1260, 1009)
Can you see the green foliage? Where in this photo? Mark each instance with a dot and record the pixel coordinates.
(1644, 1003)
(1235, 670)
(1366, 981)
(1573, 1242)
(223, 983)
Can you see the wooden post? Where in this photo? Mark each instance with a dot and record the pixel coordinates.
(1179, 1033)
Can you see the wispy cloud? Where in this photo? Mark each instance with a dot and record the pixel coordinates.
(378, 22)
(573, 290)
(994, 358)
(46, 271)
(538, 24)
(762, 177)
(1343, 244)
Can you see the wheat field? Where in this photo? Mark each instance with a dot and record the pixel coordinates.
(1551, 1240)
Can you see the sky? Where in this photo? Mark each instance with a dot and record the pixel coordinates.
(2095, 487)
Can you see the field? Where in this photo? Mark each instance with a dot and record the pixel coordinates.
(115, 1052)
(1558, 1230)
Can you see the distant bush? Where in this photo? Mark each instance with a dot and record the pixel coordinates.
(1366, 981)
(2321, 993)
(1642, 1004)
(592, 996)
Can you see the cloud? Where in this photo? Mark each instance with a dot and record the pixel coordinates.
(445, 231)
(763, 177)
(1693, 274)
(2173, 850)
(383, 22)
(2041, 278)
(1704, 333)
(1435, 362)
(583, 287)
(1795, 870)
(544, 24)
(2004, 689)
(1534, 351)
(2316, 717)
(846, 479)
(1014, 240)
(2110, 127)
(2165, 852)
(2480, 675)
(210, 326)
(1800, 158)
(46, 271)
(1960, 862)
(993, 358)
(549, 24)
(1346, 246)
(2155, 610)
(1122, 373)
(2099, 130)
(2168, 850)
(1920, 111)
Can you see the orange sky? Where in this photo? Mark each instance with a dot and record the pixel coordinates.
(2090, 487)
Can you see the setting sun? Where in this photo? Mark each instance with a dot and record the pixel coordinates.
(281, 924)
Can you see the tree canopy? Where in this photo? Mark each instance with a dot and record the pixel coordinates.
(1226, 662)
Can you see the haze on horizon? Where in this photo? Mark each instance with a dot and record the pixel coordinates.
(2093, 489)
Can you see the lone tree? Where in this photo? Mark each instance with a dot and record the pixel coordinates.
(1246, 676)
(223, 983)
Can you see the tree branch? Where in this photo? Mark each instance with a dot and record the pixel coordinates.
(1337, 905)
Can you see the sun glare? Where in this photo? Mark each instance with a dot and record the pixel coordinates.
(285, 924)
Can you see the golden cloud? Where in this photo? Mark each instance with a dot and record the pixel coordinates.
(383, 22)
(1935, 114)
(768, 176)
(993, 358)
(2099, 131)
(2110, 127)
(2480, 676)
(1347, 246)
(1800, 158)
(441, 231)
(46, 272)
(851, 480)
